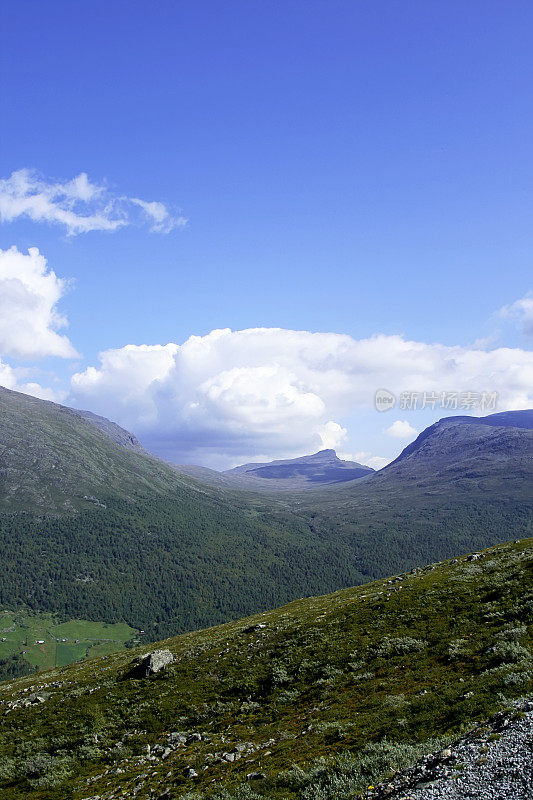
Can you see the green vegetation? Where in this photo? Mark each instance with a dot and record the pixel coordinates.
(92, 530)
(31, 641)
(56, 462)
(182, 564)
(315, 700)
(166, 567)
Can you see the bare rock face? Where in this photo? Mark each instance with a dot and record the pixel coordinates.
(149, 664)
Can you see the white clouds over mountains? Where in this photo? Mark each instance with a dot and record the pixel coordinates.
(229, 396)
(277, 391)
(78, 205)
(401, 429)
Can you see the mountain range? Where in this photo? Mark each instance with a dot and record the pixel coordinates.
(320, 699)
(93, 527)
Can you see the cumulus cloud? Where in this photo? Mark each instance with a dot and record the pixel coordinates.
(78, 205)
(14, 378)
(401, 429)
(332, 435)
(29, 318)
(522, 312)
(276, 391)
(8, 379)
(367, 459)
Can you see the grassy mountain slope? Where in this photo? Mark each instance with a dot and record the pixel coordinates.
(52, 459)
(315, 700)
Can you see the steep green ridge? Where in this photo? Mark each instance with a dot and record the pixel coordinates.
(54, 460)
(316, 700)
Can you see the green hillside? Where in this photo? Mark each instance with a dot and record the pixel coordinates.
(55, 461)
(316, 700)
(93, 528)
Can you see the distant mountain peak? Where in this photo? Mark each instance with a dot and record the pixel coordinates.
(304, 472)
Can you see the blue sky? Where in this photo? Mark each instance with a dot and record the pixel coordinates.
(344, 167)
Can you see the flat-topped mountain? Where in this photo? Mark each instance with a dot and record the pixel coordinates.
(310, 471)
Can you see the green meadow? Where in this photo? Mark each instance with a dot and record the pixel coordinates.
(45, 642)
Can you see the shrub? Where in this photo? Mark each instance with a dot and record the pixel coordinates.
(7, 769)
(45, 771)
(504, 652)
(396, 647)
(395, 701)
(458, 648)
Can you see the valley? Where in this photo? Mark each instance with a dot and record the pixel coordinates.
(94, 528)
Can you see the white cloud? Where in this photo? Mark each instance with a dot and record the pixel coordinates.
(332, 435)
(376, 462)
(158, 215)
(13, 378)
(276, 391)
(366, 459)
(401, 429)
(29, 319)
(522, 312)
(8, 379)
(78, 205)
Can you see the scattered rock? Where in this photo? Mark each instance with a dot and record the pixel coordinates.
(190, 773)
(479, 766)
(176, 738)
(253, 628)
(150, 664)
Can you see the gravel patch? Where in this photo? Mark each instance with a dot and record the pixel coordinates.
(493, 762)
